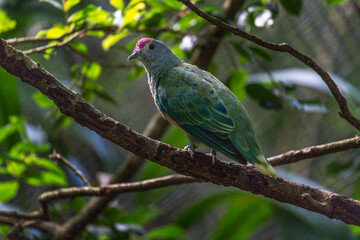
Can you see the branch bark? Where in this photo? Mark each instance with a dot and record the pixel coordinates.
(110, 190)
(285, 47)
(201, 167)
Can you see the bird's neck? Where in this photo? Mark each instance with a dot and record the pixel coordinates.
(156, 69)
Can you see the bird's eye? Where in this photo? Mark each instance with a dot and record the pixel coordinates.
(151, 46)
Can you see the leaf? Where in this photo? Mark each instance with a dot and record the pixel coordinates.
(49, 165)
(243, 50)
(242, 218)
(132, 11)
(292, 6)
(58, 30)
(9, 104)
(119, 4)
(166, 232)
(196, 210)
(91, 70)
(54, 3)
(261, 53)
(43, 101)
(112, 39)
(173, 4)
(175, 137)
(334, 2)
(238, 80)
(263, 95)
(8, 190)
(16, 124)
(91, 15)
(68, 4)
(80, 47)
(45, 178)
(6, 24)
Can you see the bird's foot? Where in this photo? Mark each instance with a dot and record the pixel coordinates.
(213, 156)
(190, 150)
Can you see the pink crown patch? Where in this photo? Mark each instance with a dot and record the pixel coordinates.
(141, 44)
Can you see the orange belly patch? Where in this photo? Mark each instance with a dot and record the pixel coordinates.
(170, 120)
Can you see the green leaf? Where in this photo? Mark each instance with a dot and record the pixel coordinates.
(242, 218)
(261, 53)
(68, 4)
(8, 190)
(4, 230)
(92, 15)
(143, 215)
(334, 2)
(80, 47)
(119, 4)
(264, 95)
(166, 232)
(292, 6)
(175, 137)
(173, 4)
(49, 165)
(9, 105)
(112, 39)
(16, 124)
(57, 31)
(133, 11)
(198, 209)
(45, 178)
(243, 50)
(238, 80)
(91, 70)
(43, 101)
(6, 24)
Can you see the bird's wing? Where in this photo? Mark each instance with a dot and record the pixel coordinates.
(195, 106)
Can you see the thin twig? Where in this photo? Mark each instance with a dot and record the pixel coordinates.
(285, 47)
(112, 189)
(315, 151)
(55, 45)
(59, 157)
(22, 215)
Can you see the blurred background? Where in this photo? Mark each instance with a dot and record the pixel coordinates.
(290, 107)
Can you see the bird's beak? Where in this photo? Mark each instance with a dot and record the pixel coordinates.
(133, 56)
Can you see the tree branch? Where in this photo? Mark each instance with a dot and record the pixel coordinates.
(201, 167)
(285, 47)
(44, 226)
(110, 190)
(58, 157)
(55, 45)
(315, 151)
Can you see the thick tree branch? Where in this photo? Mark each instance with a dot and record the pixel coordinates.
(285, 47)
(201, 167)
(110, 190)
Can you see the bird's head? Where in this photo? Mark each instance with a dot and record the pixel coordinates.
(153, 54)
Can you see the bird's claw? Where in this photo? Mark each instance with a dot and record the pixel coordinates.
(190, 150)
(213, 156)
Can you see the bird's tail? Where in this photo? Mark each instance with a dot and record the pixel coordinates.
(264, 166)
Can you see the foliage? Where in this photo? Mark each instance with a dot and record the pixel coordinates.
(112, 29)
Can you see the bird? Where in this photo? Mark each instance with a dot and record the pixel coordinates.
(200, 105)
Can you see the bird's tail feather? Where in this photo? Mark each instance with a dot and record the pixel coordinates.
(264, 166)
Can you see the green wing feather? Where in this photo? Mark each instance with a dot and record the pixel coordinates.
(195, 106)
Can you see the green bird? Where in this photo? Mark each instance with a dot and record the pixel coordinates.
(200, 105)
